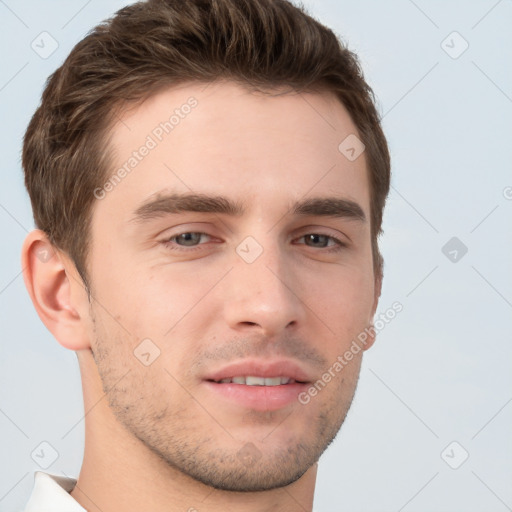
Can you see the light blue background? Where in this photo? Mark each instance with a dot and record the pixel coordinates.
(441, 370)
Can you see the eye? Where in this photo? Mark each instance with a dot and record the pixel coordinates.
(188, 239)
(192, 239)
(320, 241)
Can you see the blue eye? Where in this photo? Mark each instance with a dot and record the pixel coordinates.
(188, 239)
(194, 239)
(322, 241)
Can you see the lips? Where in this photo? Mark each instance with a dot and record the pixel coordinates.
(252, 380)
(259, 373)
(258, 385)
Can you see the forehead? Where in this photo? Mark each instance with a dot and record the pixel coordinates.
(223, 139)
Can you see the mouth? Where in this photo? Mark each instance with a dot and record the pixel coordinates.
(258, 385)
(251, 380)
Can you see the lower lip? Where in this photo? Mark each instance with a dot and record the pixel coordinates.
(258, 398)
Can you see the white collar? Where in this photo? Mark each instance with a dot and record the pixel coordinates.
(51, 494)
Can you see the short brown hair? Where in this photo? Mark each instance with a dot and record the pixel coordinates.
(261, 44)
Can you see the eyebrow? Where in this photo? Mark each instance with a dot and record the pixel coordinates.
(179, 203)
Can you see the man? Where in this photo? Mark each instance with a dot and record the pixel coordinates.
(208, 181)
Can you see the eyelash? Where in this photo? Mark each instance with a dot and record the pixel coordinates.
(170, 244)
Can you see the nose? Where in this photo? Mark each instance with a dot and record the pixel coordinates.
(263, 296)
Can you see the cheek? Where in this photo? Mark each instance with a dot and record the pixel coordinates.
(344, 299)
(166, 305)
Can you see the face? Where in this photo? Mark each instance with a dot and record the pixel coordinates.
(230, 267)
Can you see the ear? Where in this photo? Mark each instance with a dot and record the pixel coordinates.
(57, 291)
(377, 291)
(372, 334)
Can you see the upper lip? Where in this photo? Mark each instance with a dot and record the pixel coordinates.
(260, 368)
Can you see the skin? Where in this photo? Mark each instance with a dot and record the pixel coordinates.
(157, 438)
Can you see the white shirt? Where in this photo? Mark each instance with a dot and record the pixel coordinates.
(51, 494)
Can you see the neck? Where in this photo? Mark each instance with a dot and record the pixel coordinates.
(119, 472)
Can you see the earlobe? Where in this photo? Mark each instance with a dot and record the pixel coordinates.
(377, 292)
(54, 291)
(370, 330)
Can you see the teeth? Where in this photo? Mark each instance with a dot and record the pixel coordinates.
(251, 380)
(254, 381)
